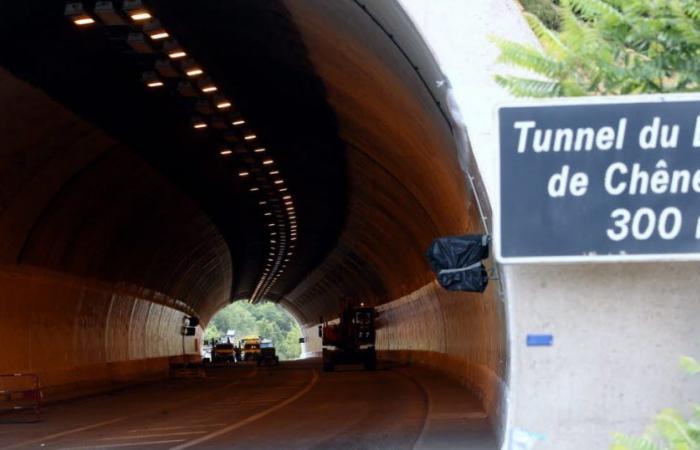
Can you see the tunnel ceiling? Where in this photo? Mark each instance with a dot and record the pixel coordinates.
(345, 97)
(254, 55)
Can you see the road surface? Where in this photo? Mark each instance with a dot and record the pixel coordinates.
(292, 406)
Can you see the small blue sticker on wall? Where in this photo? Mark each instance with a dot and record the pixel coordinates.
(540, 340)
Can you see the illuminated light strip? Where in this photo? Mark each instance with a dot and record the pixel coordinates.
(177, 55)
(159, 35)
(82, 21)
(140, 15)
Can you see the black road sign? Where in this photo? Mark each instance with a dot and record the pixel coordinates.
(614, 178)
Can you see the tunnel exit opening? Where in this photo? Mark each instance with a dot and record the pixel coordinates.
(269, 325)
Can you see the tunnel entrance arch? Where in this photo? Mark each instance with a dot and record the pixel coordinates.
(136, 218)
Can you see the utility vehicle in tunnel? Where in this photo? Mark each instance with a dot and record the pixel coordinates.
(351, 340)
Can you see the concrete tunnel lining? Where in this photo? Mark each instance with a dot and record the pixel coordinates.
(94, 229)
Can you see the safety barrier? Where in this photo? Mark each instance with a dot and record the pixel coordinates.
(20, 397)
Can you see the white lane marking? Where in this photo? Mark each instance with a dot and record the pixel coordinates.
(147, 436)
(128, 444)
(253, 418)
(67, 432)
(204, 425)
(118, 419)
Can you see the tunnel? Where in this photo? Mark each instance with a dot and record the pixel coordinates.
(297, 152)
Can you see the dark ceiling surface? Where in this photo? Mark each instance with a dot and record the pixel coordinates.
(252, 51)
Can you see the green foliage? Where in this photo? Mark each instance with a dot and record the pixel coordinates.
(267, 320)
(670, 430)
(545, 10)
(609, 47)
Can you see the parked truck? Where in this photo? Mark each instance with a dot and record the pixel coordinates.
(351, 339)
(250, 348)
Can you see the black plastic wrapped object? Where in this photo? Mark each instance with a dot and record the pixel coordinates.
(456, 260)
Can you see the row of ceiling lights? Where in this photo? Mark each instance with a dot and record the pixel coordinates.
(151, 37)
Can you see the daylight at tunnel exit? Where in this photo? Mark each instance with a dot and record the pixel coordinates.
(350, 224)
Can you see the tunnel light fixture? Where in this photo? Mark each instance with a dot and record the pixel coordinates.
(267, 162)
(155, 31)
(279, 181)
(151, 80)
(238, 122)
(84, 20)
(191, 68)
(225, 151)
(136, 10)
(288, 202)
(268, 214)
(293, 238)
(194, 72)
(249, 137)
(259, 150)
(198, 124)
(270, 224)
(274, 172)
(174, 50)
(284, 189)
(139, 16)
(206, 85)
(262, 202)
(222, 103)
(286, 197)
(76, 13)
(243, 173)
(254, 189)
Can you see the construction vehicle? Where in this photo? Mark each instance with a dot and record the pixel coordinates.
(268, 354)
(351, 339)
(223, 352)
(250, 348)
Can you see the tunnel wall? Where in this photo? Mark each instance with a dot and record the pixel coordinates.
(454, 332)
(80, 336)
(101, 256)
(407, 185)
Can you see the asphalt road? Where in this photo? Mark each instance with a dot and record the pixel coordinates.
(292, 406)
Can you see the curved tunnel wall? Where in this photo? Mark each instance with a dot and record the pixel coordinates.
(101, 257)
(407, 187)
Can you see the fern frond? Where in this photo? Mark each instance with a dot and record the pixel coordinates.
(673, 428)
(597, 9)
(528, 58)
(527, 87)
(623, 442)
(690, 365)
(550, 41)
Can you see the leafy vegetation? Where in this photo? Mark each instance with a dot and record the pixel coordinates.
(267, 320)
(545, 10)
(609, 47)
(670, 430)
